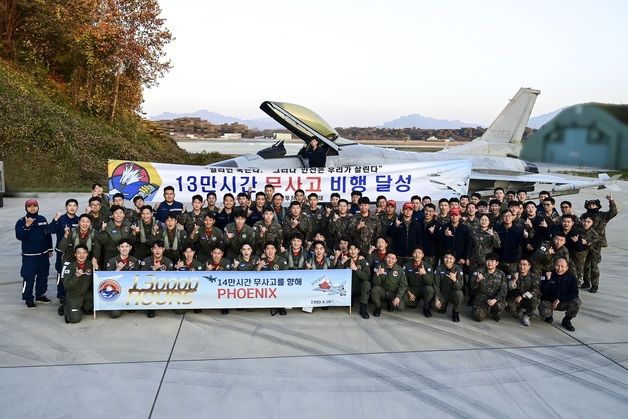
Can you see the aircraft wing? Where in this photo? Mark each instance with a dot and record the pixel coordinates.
(560, 184)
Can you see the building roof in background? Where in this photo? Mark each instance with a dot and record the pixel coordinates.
(620, 112)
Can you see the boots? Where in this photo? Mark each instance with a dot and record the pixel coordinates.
(471, 300)
(455, 317)
(567, 324)
(495, 315)
(427, 312)
(363, 312)
(377, 312)
(593, 289)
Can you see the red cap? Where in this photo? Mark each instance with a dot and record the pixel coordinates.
(454, 211)
(30, 202)
(408, 205)
(391, 202)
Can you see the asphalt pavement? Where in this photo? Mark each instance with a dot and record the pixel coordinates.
(327, 364)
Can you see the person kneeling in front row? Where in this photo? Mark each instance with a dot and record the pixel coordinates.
(559, 291)
(78, 277)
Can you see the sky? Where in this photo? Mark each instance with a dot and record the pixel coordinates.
(362, 63)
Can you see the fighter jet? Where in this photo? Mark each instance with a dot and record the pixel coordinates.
(494, 155)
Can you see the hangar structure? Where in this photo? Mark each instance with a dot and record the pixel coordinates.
(584, 135)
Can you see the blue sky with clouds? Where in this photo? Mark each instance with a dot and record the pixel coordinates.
(365, 62)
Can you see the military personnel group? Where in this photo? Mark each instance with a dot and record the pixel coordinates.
(508, 254)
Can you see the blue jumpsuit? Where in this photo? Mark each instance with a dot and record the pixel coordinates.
(58, 227)
(36, 244)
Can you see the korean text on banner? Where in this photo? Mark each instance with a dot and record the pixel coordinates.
(229, 289)
(438, 179)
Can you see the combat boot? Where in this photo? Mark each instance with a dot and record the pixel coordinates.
(495, 316)
(363, 312)
(567, 324)
(549, 319)
(585, 285)
(593, 289)
(455, 316)
(471, 299)
(427, 312)
(377, 312)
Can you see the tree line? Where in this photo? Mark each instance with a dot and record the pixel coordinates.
(99, 53)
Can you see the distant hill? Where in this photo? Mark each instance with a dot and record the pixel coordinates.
(216, 118)
(425, 122)
(537, 122)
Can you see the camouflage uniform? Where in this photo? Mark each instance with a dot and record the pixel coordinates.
(590, 269)
(365, 236)
(553, 219)
(529, 283)
(360, 278)
(472, 225)
(442, 219)
(388, 286)
(206, 242)
(421, 286)
(189, 220)
(577, 254)
(273, 233)
(338, 228)
(492, 286)
(446, 290)
(304, 227)
(234, 244)
(601, 218)
(543, 261)
(482, 243)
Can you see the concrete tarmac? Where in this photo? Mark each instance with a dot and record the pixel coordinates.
(327, 364)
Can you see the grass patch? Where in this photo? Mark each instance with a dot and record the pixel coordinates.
(46, 144)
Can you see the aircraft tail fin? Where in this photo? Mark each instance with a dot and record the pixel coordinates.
(510, 124)
(503, 136)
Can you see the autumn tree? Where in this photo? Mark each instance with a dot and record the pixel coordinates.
(100, 52)
(138, 57)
